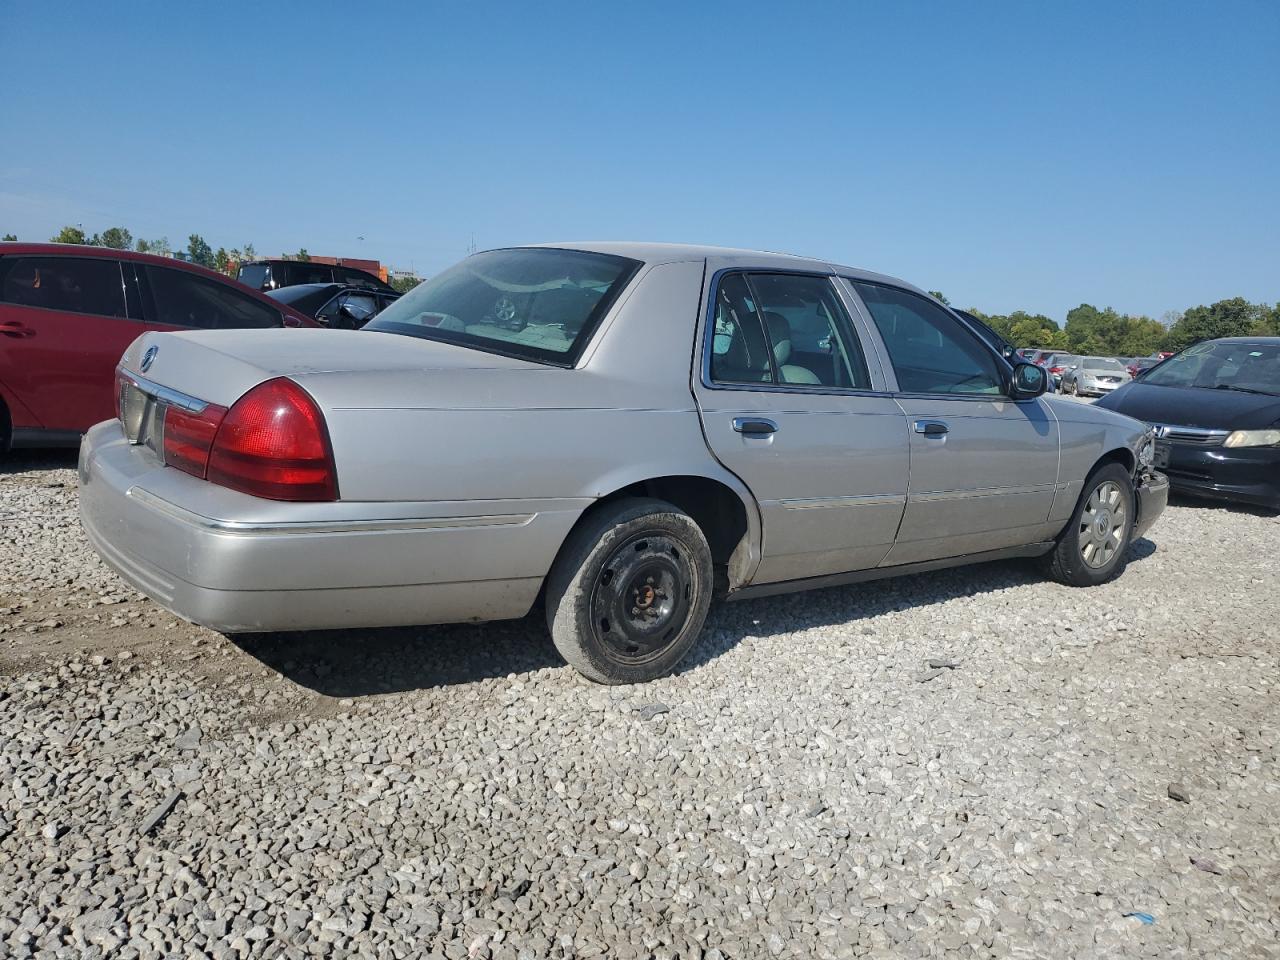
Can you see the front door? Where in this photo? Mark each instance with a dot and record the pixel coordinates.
(984, 469)
(789, 404)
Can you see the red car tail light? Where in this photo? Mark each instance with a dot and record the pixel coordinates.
(273, 443)
(188, 437)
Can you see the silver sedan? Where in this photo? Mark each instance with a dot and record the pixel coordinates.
(1094, 376)
(622, 429)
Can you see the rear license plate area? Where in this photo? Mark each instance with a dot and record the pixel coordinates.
(143, 418)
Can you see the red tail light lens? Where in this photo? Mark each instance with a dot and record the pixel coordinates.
(188, 437)
(273, 443)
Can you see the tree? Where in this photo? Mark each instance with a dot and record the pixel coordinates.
(302, 255)
(404, 283)
(117, 238)
(222, 261)
(937, 295)
(69, 235)
(10, 236)
(159, 248)
(199, 251)
(1236, 317)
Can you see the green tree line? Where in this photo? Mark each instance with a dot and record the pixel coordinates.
(197, 249)
(1109, 333)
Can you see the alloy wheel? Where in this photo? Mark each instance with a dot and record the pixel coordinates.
(1102, 524)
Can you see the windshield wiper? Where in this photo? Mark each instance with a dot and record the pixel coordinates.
(1261, 393)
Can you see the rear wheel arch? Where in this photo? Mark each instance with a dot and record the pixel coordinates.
(726, 516)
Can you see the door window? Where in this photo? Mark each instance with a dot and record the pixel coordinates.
(930, 350)
(69, 284)
(786, 329)
(186, 300)
(360, 306)
(303, 271)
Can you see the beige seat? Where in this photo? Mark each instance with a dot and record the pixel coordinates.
(780, 337)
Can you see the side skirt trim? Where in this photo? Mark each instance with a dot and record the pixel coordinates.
(880, 573)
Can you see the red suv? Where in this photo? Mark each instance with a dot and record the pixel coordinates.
(67, 313)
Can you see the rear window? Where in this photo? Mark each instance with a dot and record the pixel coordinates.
(70, 284)
(1098, 363)
(256, 275)
(534, 303)
(185, 300)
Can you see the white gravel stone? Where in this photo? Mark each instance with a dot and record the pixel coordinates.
(458, 792)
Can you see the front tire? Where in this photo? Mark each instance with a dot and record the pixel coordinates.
(1094, 546)
(629, 593)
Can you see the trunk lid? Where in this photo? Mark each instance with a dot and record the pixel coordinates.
(220, 366)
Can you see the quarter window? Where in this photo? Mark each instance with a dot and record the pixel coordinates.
(186, 300)
(69, 284)
(929, 349)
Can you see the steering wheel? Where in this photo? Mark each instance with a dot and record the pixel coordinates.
(504, 310)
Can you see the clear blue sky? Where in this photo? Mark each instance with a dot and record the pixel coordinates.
(1014, 155)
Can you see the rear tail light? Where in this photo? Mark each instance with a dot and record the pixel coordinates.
(188, 437)
(273, 443)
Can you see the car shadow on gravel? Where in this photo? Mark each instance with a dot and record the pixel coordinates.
(29, 461)
(358, 663)
(1227, 506)
(730, 623)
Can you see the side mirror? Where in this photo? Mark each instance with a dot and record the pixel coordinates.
(1028, 381)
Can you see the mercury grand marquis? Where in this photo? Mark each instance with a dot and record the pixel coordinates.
(618, 430)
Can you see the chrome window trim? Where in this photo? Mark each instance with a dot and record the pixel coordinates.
(708, 331)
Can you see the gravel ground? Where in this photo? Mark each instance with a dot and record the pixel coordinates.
(806, 786)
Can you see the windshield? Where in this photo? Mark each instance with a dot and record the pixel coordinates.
(255, 275)
(1100, 363)
(1218, 364)
(536, 303)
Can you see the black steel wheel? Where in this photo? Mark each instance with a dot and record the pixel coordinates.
(629, 592)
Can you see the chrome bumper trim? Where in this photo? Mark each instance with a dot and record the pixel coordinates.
(323, 526)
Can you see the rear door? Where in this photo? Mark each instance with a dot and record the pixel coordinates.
(789, 404)
(64, 322)
(984, 468)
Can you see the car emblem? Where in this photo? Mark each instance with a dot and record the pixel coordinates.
(149, 358)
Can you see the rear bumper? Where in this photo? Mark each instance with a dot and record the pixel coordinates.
(1244, 475)
(270, 566)
(1153, 496)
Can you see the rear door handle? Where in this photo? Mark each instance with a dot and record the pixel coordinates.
(15, 328)
(754, 426)
(932, 428)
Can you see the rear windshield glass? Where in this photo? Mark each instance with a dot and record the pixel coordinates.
(1100, 363)
(254, 274)
(535, 303)
(1231, 365)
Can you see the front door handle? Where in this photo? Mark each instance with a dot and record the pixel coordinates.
(754, 426)
(932, 428)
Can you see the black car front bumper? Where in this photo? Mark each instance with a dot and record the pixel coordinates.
(1152, 494)
(1243, 474)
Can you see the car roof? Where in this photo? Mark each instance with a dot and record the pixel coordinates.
(107, 253)
(654, 253)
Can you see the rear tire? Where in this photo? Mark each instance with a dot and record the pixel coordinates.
(1094, 546)
(629, 592)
